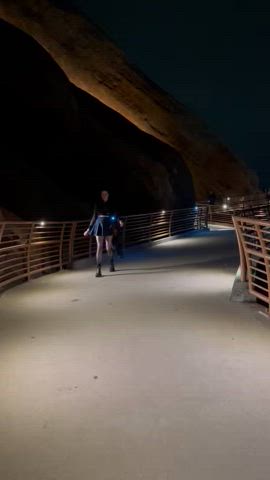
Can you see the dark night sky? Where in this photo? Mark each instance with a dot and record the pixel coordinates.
(213, 56)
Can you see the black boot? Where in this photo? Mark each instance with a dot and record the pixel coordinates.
(112, 269)
(98, 272)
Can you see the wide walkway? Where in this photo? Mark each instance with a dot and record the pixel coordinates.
(150, 373)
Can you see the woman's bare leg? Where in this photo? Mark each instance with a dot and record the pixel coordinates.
(108, 241)
(99, 249)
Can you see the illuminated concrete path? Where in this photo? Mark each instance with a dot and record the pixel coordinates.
(149, 373)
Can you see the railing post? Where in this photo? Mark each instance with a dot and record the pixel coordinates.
(210, 213)
(124, 233)
(2, 228)
(71, 244)
(61, 246)
(150, 227)
(29, 250)
(240, 241)
(170, 223)
(206, 217)
(198, 218)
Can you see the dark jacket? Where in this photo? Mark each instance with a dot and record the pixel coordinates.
(102, 208)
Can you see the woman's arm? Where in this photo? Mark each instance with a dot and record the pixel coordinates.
(92, 221)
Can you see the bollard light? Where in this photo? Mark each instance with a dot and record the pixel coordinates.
(224, 206)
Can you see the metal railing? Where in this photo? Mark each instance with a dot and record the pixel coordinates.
(246, 200)
(253, 237)
(29, 249)
(222, 214)
(158, 225)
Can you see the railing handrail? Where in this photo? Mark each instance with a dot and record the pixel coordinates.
(163, 211)
(38, 222)
(83, 220)
(254, 221)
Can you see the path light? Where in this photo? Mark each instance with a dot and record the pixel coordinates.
(228, 199)
(224, 206)
(196, 208)
(163, 211)
(42, 223)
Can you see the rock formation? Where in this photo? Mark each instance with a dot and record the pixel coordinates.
(96, 66)
(93, 64)
(60, 144)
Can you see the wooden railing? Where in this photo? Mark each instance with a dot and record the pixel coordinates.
(28, 249)
(253, 237)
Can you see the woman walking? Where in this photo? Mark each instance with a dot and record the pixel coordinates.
(101, 226)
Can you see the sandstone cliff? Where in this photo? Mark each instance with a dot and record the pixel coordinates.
(59, 144)
(98, 67)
